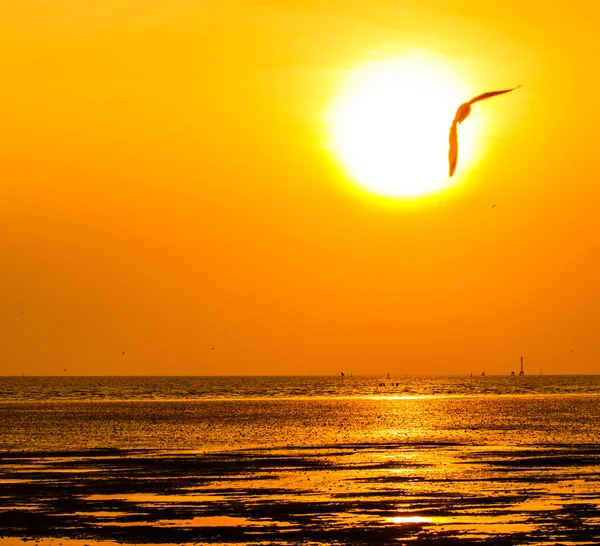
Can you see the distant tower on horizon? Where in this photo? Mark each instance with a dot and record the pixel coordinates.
(521, 372)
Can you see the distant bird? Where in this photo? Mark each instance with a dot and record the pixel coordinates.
(123, 352)
(494, 206)
(461, 114)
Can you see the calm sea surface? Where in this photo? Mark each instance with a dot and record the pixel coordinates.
(202, 388)
(217, 413)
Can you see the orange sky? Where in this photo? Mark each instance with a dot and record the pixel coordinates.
(165, 189)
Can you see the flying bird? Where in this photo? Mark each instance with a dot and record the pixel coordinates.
(461, 114)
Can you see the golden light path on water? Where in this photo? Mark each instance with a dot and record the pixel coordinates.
(289, 470)
(389, 126)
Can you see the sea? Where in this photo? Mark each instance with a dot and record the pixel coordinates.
(103, 461)
(208, 413)
(31, 388)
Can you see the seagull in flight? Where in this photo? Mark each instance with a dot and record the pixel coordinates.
(461, 114)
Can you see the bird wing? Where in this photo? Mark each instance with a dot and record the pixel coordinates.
(453, 150)
(489, 94)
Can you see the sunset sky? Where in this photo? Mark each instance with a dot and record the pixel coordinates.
(168, 190)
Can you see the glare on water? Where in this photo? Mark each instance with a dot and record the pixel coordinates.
(377, 466)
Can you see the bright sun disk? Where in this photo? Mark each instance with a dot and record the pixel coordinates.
(389, 127)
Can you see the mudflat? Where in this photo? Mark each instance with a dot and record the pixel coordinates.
(341, 493)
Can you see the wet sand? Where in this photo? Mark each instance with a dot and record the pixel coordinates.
(341, 493)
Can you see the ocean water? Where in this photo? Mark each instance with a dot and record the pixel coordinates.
(257, 387)
(224, 413)
(300, 460)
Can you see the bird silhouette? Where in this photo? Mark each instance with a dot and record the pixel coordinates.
(461, 114)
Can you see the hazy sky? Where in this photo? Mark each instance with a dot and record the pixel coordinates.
(166, 189)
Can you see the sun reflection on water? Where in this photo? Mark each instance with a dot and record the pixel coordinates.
(409, 519)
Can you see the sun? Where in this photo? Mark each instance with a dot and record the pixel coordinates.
(388, 127)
